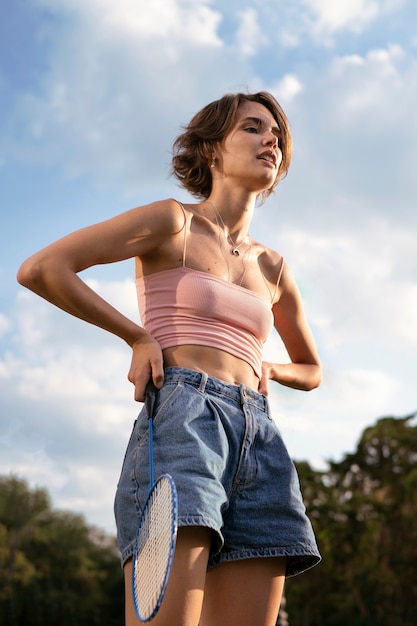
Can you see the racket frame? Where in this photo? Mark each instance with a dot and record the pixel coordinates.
(149, 404)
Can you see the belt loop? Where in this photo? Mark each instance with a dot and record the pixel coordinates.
(203, 382)
(243, 395)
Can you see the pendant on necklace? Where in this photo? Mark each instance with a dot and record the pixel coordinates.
(235, 252)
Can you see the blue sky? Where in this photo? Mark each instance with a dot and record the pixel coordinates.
(92, 94)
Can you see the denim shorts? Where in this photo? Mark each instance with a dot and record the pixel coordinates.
(231, 468)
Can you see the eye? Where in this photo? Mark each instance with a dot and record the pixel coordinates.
(251, 129)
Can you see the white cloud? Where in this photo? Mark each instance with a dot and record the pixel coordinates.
(121, 79)
(324, 20)
(287, 88)
(343, 14)
(144, 88)
(371, 80)
(188, 22)
(359, 283)
(326, 424)
(121, 294)
(249, 35)
(355, 141)
(67, 406)
(73, 377)
(288, 39)
(4, 324)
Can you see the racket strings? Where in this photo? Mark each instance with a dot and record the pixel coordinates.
(154, 548)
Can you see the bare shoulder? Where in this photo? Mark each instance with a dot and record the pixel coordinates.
(289, 296)
(146, 227)
(271, 263)
(133, 233)
(163, 217)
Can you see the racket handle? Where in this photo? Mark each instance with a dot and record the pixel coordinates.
(150, 396)
(151, 469)
(149, 405)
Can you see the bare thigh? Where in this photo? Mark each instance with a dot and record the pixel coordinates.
(246, 592)
(184, 597)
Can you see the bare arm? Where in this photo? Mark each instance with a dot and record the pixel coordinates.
(52, 273)
(304, 371)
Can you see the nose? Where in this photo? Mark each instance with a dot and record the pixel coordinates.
(270, 139)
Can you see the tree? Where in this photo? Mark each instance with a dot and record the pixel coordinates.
(363, 510)
(54, 568)
(19, 510)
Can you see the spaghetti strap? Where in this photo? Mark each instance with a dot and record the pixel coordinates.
(278, 279)
(184, 250)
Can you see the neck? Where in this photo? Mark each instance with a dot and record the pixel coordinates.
(233, 242)
(236, 212)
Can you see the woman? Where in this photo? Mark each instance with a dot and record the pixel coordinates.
(209, 295)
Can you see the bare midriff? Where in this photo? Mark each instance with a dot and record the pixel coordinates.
(213, 362)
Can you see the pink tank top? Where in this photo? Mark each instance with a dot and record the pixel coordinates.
(181, 306)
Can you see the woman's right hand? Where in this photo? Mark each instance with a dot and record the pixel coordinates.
(147, 362)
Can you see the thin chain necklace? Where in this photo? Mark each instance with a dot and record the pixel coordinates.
(235, 246)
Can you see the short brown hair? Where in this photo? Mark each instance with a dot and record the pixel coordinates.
(192, 150)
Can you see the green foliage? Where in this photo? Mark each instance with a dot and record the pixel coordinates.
(363, 510)
(53, 568)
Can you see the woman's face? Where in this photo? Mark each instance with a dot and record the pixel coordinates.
(250, 155)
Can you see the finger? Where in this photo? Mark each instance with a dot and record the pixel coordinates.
(157, 366)
(158, 378)
(141, 382)
(140, 392)
(263, 387)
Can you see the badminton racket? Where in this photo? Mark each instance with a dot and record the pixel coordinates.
(156, 535)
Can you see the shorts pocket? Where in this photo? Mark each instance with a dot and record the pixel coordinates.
(164, 399)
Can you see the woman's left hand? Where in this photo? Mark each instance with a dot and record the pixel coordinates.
(263, 387)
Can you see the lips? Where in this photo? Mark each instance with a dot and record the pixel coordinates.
(268, 156)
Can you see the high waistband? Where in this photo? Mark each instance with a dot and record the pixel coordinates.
(203, 382)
